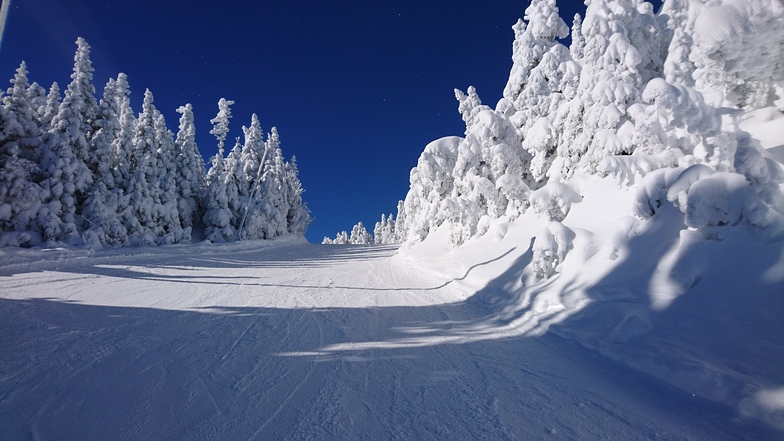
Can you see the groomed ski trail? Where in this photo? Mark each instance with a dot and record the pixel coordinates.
(299, 341)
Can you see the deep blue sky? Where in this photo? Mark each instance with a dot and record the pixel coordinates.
(356, 88)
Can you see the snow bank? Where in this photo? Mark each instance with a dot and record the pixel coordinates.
(668, 279)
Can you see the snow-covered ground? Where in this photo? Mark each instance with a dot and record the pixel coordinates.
(289, 340)
(600, 257)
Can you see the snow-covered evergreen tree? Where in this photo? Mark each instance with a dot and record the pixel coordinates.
(252, 159)
(401, 223)
(594, 122)
(732, 65)
(191, 175)
(577, 48)
(340, 239)
(67, 153)
(274, 207)
(236, 185)
(79, 171)
(105, 199)
(152, 189)
(123, 143)
(47, 113)
(431, 183)
(218, 215)
(20, 195)
(169, 229)
(534, 87)
(78, 112)
(384, 231)
(298, 216)
(490, 170)
(359, 235)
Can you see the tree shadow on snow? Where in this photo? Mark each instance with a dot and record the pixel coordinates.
(69, 370)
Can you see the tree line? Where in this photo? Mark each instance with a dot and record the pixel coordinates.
(78, 170)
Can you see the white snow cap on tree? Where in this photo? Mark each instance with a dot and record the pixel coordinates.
(220, 123)
(359, 235)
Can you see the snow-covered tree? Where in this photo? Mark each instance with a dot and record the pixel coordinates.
(76, 118)
(594, 123)
(534, 86)
(220, 124)
(189, 166)
(67, 153)
(105, 199)
(298, 216)
(123, 143)
(47, 113)
(401, 223)
(384, 231)
(236, 184)
(81, 171)
(20, 195)
(169, 228)
(218, 216)
(738, 52)
(490, 170)
(152, 189)
(359, 235)
(272, 188)
(340, 239)
(577, 48)
(252, 151)
(431, 182)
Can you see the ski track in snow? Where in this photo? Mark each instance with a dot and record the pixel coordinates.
(300, 341)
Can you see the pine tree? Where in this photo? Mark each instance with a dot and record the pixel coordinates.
(535, 45)
(20, 195)
(221, 123)
(401, 223)
(359, 235)
(274, 207)
(46, 114)
(252, 159)
(252, 151)
(341, 239)
(534, 82)
(577, 47)
(190, 171)
(490, 170)
(237, 189)
(168, 229)
(123, 143)
(21, 130)
(67, 152)
(105, 199)
(731, 66)
(145, 186)
(542, 78)
(298, 216)
(78, 112)
(609, 84)
(218, 216)
(383, 233)
(432, 182)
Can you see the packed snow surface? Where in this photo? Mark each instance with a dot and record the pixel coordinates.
(289, 340)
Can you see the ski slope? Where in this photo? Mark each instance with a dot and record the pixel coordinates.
(289, 340)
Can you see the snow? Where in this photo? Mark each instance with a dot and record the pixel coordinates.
(645, 329)
(287, 340)
(599, 257)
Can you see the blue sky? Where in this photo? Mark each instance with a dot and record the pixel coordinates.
(356, 88)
